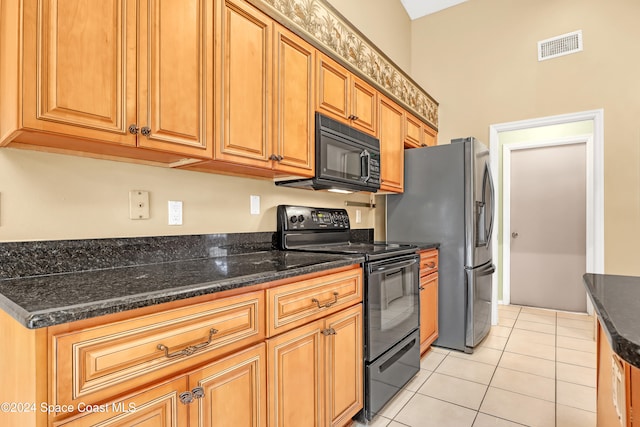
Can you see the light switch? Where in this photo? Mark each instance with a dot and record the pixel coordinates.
(255, 205)
(358, 216)
(138, 204)
(175, 212)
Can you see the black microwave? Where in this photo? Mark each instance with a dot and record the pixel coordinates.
(346, 159)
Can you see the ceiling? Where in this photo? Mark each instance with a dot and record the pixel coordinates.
(419, 8)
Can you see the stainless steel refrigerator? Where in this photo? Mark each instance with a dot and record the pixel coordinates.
(449, 199)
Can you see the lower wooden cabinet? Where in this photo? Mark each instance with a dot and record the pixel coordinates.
(618, 387)
(428, 298)
(206, 361)
(159, 406)
(229, 392)
(315, 372)
(428, 311)
(234, 391)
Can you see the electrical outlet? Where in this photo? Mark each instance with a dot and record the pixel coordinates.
(255, 205)
(175, 212)
(138, 204)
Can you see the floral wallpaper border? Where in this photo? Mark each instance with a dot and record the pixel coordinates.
(330, 29)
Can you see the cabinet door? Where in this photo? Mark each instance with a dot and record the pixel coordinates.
(634, 394)
(364, 106)
(428, 311)
(80, 69)
(344, 370)
(413, 134)
(235, 391)
(608, 412)
(243, 73)
(159, 406)
(333, 90)
(391, 146)
(294, 108)
(430, 136)
(295, 372)
(175, 54)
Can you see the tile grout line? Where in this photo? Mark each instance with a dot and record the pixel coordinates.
(494, 370)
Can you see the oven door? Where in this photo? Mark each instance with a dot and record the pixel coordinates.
(392, 304)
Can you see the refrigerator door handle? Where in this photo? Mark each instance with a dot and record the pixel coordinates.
(489, 180)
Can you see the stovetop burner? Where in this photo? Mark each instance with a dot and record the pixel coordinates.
(327, 230)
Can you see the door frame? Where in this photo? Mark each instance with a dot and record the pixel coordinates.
(595, 190)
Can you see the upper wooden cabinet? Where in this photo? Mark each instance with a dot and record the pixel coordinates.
(264, 110)
(212, 86)
(243, 72)
(430, 135)
(345, 97)
(418, 134)
(293, 122)
(390, 132)
(105, 73)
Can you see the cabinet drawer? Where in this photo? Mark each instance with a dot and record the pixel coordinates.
(300, 302)
(96, 363)
(428, 262)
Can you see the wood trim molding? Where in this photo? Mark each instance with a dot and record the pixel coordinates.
(325, 27)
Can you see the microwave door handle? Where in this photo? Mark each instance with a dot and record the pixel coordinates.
(365, 161)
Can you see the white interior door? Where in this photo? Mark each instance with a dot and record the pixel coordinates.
(548, 227)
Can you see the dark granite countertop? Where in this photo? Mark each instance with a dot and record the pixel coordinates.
(46, 300)
(616, 300)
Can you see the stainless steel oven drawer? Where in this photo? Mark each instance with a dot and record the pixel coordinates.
(386, 375)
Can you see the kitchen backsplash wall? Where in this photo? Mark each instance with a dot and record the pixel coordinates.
(47, 196)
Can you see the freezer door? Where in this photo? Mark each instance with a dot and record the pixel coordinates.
(478, 303)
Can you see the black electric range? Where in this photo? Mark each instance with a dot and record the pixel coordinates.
(327, 230)
(391, 296)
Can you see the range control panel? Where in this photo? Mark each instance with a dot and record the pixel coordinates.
(307, 218)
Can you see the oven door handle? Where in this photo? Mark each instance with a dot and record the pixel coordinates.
(395, 266)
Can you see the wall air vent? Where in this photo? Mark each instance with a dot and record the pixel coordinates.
(560, 45)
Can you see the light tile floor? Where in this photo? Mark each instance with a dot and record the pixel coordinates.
(535, 368)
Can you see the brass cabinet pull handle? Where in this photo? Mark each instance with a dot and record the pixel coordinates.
(329, 331)
(329, 304)
(146, 131)
(431, 264)
(188, 351)
(133, 129)
(421, 288)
